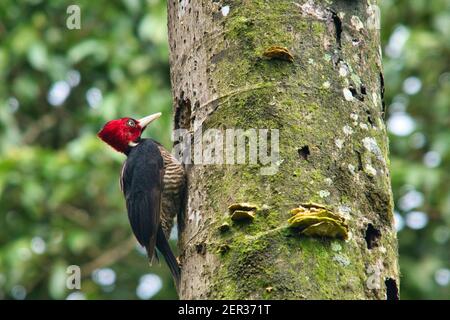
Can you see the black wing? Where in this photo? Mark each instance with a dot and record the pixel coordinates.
(142, 183)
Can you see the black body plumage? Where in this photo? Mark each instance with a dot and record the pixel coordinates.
(142, 183)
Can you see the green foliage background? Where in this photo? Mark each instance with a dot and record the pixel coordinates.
(60, 203)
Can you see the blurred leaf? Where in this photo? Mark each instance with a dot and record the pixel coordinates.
(57, 282)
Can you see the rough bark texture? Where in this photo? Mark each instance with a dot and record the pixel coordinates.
(330, 100)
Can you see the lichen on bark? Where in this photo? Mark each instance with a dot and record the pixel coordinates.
(327, 98)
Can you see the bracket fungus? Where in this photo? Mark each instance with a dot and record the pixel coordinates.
(222, 249)
(224, 227)
(280, 53)
(315, 220)
(242, 211)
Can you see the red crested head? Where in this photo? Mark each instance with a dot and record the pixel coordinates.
(124, 133)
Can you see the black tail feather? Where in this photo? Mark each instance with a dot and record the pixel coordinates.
(152, 257)
(163, 246)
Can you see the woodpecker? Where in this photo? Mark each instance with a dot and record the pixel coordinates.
(153, 183)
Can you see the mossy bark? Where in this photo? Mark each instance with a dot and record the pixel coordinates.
(328, 99)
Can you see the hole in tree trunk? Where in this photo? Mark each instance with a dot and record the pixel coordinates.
(391, 289)
(338, 27)
(355, 93)
(304, 152)
(369, 118)
(360, 164)
(183, 113)
(372, 236)
(383, 102)
(363, 89)
(200, 248)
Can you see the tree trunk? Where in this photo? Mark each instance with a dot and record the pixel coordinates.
(312, 70)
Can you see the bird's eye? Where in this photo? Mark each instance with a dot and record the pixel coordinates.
(131, 123)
